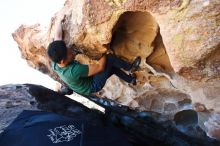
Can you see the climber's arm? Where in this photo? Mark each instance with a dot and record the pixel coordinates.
(59, 29)
(96, 68)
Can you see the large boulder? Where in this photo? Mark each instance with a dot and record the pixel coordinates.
(177, 40)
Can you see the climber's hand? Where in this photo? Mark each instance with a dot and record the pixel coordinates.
(58, 19)
(61, 18)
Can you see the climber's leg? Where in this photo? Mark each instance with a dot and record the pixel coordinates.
(122, 75)
(118, 63)
(113, 65)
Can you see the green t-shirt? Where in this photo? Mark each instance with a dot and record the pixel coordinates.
(75, 75)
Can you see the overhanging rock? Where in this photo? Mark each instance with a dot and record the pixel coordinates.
(177, 40)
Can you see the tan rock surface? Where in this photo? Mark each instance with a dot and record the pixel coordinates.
(179, 42)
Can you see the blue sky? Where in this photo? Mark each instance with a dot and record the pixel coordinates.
(13, 13)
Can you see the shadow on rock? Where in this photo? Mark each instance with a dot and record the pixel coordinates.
(140, 128)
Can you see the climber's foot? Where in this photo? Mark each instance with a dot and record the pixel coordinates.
(134, 80)
(135, 64)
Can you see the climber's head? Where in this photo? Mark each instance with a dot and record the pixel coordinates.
(59, 53)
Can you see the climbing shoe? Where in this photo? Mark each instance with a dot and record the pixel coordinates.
(135, 64)
(134, 80)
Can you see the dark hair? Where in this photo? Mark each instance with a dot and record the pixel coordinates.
(57, 51)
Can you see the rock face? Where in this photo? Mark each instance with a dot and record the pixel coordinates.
(178, 41)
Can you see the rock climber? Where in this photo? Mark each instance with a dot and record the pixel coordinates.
(86, 79)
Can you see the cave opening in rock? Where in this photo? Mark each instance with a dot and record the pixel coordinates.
(137, 34)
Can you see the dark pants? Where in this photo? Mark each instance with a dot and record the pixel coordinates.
(113, 66)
